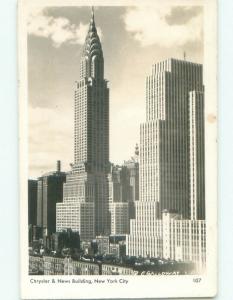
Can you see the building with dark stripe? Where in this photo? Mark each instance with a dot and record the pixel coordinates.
(32, 201)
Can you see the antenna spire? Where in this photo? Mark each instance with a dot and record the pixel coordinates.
(184, 55)
(92, 21)
(92, 12)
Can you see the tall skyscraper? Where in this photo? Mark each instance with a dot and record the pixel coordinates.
(172, 139)
(86, 188)
(49, 192)
(171, 165)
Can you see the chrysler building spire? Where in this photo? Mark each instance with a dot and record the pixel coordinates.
(92, 62)
(92, 27)
(92, 14)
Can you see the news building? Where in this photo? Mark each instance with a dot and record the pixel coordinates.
(171, 169)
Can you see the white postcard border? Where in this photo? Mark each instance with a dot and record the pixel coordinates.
(138, 286)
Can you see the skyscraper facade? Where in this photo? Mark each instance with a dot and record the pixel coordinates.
(196, 154)
(86, 188)
(172, 139)
(171, 165)
(118, 186)
(131, 168)
(123, 193)
(49, 193)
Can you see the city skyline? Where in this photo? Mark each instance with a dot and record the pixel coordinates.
(44, 111)
(153, 205)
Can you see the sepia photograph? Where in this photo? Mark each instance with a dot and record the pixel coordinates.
(118, 104)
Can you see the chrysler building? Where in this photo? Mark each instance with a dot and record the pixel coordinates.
(85, 200)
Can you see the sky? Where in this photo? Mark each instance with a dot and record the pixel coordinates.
(133, 38)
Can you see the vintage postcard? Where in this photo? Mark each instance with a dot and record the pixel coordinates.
(118, 149)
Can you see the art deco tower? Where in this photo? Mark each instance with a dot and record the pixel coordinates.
(171, 169)
(87, 187)
(172, 139)
(92, 107)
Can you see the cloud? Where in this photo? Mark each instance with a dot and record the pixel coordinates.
(50, 139)
(182, 14)
(152, 25)
(58, 29)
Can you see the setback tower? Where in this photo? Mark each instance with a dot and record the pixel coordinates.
(85, 203)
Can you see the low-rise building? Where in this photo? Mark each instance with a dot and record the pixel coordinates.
(74, 267)
(184, 240)
(170, 237)
(53, 265)
(117, 249)
(66, 239)
(110, 269)
(103, 244)
(36, 265)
